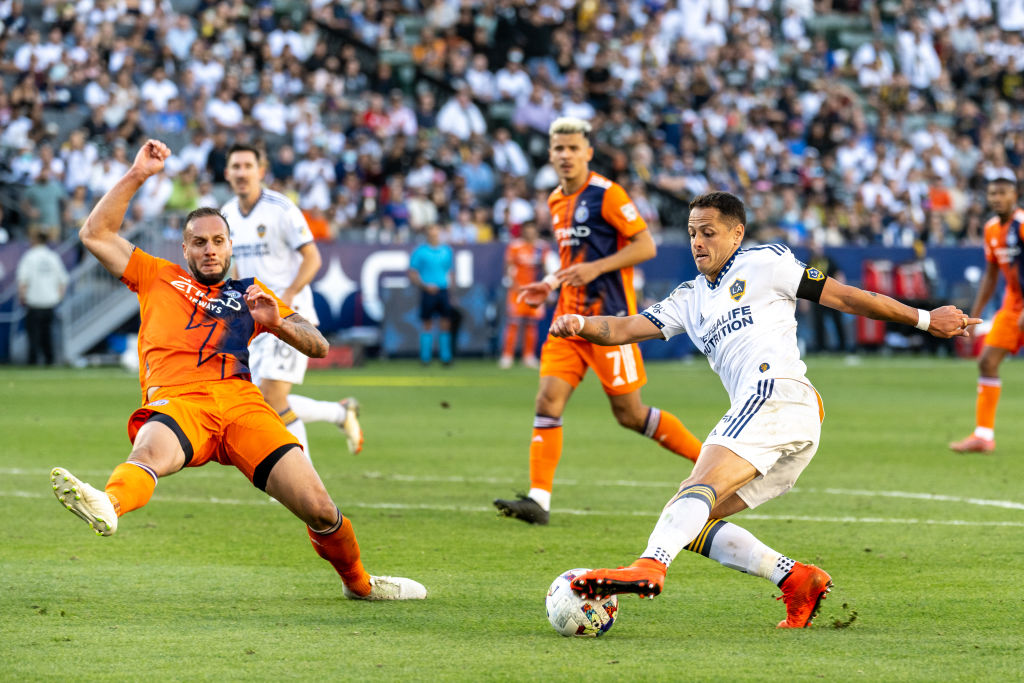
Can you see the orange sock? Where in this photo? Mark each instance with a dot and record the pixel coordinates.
(669, 432)
(545, 451)
(340, 547)
(530, 340)
(511, 335)
(989, 389)
(130, 486)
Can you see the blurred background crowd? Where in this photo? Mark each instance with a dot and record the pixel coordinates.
(838, 122)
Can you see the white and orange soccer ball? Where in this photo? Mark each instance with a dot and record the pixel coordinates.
(572, 615)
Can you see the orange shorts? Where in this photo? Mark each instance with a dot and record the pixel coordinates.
(227, 421)
(1005, 333)
(620, 369)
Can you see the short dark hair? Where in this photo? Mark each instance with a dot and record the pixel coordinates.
(242, 147)
(729, 205)
(202, 212)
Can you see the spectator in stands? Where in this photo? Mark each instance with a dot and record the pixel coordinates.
(43, 204)
(460, 117)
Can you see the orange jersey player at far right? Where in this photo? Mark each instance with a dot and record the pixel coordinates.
(199, 404)
(601, 236)
(1004, 234)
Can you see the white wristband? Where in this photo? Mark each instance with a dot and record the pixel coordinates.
(580, 320)
(924, 319)
(551, 281)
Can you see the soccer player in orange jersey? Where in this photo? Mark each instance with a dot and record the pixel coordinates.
(525, 259)
(1004, 234)
(601, 236)
(198, 401)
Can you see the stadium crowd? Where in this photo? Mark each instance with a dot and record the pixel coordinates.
(838, 122)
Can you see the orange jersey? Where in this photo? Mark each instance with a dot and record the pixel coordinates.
(190, 332)
(524, 262)
(595, 222)
(1003, 248)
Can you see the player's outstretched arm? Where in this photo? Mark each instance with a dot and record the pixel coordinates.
(99, 233)
(606, 330)
(293, 330)
(944, 322)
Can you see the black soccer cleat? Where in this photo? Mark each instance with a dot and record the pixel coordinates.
(524, 508)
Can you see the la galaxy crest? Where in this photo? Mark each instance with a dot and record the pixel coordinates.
(261, 230)
(815, 274)
(737, 289)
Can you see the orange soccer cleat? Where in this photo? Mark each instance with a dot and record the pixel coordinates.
(973, 444)
(645, 577)
(803, 590)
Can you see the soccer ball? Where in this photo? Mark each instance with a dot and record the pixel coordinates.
(572, 615)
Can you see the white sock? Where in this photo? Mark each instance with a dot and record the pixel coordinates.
(986, 433)
(541, 497)
(680, 523)
(734, 547)
(310, 410)
(298, 429)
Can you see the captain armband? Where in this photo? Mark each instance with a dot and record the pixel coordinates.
(812, 282)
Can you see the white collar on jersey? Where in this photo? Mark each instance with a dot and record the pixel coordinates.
(722, 272)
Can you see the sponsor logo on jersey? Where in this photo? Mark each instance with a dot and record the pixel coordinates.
(161, 402)
(195, 294)
(261, 230)
(734, 320)
(815, 274)
(582, 213)
(737, 289)
(629, 211)
(763, 367)
(571, 236)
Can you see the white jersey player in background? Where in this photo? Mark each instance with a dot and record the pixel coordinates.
(740, 312)
(272, 241)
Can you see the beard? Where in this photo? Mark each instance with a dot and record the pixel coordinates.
(204, 279)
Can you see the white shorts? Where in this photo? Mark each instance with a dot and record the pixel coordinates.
(271, 358)
(776, 428)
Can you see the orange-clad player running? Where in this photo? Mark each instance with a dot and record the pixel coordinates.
(525, 260)
(198, 401)
(1004, 234)
(601, 236)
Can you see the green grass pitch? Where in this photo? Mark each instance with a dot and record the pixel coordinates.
(211, 581)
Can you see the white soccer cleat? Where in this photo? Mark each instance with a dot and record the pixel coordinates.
(350, 425)
(390, 588)
(89, 503)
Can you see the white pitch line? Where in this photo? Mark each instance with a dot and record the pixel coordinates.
(652, 514)
(621, 483)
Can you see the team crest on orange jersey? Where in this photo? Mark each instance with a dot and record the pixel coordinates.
(261, 230)
(582, 213)
(737, 289)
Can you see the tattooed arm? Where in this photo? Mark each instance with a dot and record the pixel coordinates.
(293, 330)
(606, 330)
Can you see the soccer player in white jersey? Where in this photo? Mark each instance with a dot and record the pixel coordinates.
(740, 311)
(272, 241)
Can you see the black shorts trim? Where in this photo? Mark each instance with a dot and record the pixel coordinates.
(262, 473)
(186, 445)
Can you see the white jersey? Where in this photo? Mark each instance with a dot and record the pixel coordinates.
(745, 321)
(266, 242)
